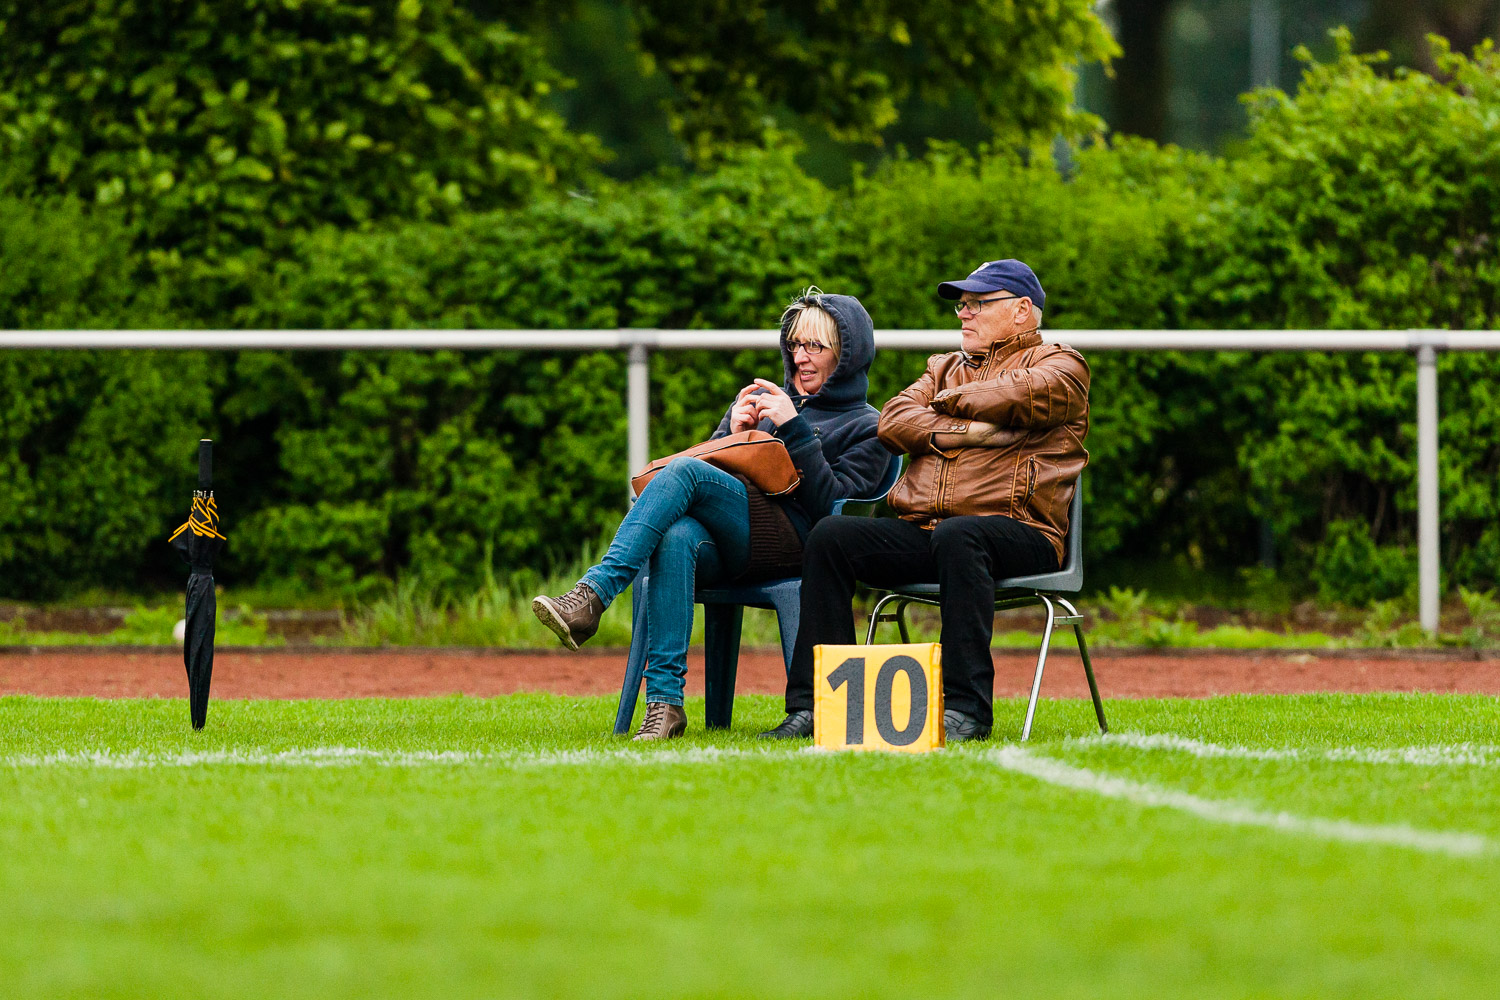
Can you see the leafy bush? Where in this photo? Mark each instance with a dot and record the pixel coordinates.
(1484, 616)
(219, 125)
(848, 65)
(94, 446)
(1363, 200)
(69, 266)
(1350, 567)
(441, 462)
(543, 436)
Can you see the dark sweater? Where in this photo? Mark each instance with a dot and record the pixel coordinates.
(832, 440)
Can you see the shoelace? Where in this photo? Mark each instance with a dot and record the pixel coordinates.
(574, 600)
(655, 713)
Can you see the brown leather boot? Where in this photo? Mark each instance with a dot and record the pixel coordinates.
(662, 722)
(574, 616)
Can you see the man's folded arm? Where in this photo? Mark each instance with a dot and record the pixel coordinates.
(908, 422)
(1048, 394)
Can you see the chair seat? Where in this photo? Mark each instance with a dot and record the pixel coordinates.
(1062, 581)
(754, 595)
(1006, 597)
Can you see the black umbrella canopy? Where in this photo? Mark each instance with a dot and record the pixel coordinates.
(199, 541)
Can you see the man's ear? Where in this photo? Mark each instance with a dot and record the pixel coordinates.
(1020, 318)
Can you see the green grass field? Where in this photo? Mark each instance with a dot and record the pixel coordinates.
(1310, 846)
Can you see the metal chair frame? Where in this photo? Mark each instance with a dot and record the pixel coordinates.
(1045, 589)
(723, 618)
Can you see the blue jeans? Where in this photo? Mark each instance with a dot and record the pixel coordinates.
(692, 525)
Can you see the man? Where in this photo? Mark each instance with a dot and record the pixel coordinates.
(995, 433)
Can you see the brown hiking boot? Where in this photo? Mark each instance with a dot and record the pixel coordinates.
(574, 616)
(662, 722)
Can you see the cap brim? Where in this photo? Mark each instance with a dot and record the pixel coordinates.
(955, 289)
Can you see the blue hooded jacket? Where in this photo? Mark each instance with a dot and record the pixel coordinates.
(832, 440)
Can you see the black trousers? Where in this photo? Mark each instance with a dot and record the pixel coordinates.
(964, 555)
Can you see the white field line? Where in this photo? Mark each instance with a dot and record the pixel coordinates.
(1014, 759)
(1451, 755)
(337, 756)
(1229, 813)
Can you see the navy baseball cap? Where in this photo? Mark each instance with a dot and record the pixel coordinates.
(994, 275)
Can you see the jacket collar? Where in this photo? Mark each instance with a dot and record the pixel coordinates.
(1003, 349)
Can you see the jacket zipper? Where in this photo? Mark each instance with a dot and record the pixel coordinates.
(1031, 467)
(942, 481)
(944, 463)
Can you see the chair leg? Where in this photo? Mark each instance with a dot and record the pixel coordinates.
(1041, 663)
(1088, 669)
(875, 616)
(1088, 666)
(788, 620)
(635, 664)
(721, 659)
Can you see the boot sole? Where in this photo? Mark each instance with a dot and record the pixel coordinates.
(549, 616)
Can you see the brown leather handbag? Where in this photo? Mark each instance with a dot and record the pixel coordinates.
(754, 455)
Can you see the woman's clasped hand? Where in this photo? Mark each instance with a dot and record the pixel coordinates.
(761, 400)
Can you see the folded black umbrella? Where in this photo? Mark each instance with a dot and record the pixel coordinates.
(199, 541)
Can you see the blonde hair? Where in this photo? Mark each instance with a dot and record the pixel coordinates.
(806, 316)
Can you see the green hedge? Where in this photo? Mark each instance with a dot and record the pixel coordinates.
(1367, 201)
(220, 126)
(1364, 201)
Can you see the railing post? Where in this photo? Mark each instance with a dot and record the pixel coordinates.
(1427, 487)
(639, 410)
(1265, 43)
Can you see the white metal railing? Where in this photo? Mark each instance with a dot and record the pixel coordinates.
(639, 344)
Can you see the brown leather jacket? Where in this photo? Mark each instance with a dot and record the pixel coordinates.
(1021, 383)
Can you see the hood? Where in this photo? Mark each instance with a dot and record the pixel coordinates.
(847, 387)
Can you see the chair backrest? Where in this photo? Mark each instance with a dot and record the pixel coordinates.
(1073, 556)
(1069, 578)
(892, 473)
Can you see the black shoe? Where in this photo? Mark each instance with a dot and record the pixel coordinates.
(961, 728)
(797, 725)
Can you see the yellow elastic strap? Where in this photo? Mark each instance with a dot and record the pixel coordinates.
(204, 520)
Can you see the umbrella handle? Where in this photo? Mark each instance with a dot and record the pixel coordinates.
(205, 464)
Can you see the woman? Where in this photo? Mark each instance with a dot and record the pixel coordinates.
(697, 525)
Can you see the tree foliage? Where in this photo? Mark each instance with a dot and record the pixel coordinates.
(441, 461)
(218, 126)
(1365, 200)
(848, 64)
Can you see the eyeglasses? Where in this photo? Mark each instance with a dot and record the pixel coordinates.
(812, 347)
(978, 305)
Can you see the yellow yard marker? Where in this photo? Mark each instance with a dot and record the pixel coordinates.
(878, 697)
